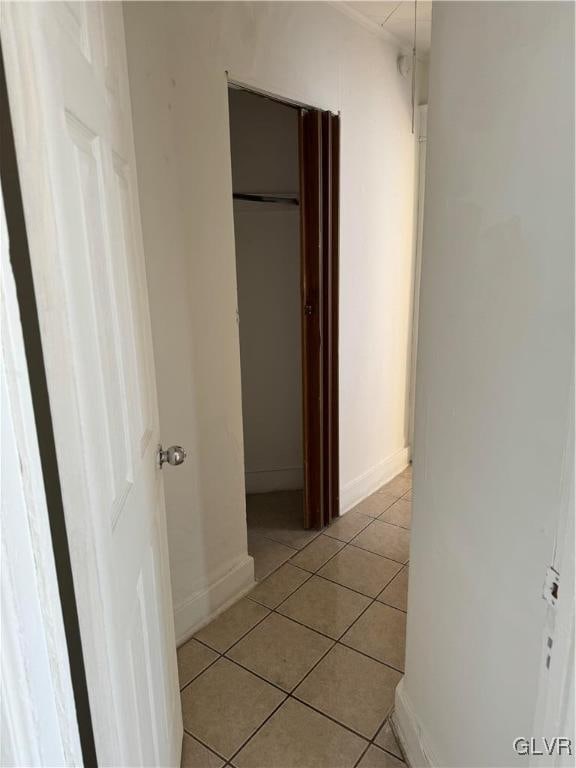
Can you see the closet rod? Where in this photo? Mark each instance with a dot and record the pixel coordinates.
(265, 198)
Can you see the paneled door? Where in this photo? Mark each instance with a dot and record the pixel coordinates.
(70, 105)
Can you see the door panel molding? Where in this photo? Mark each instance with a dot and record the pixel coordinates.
(88, 271)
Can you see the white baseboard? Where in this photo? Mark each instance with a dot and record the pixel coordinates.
(203, 606)
(358, 489)
(412, 738)
(266, 480)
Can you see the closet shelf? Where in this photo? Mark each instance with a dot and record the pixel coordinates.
(284, 199)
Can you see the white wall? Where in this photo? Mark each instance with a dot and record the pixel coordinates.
(178, 56)
(495, 360)
(264, 143)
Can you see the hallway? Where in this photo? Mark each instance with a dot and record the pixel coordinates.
(302, 671)
(200, 301)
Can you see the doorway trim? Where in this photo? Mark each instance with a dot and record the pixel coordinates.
(245, 85)
(319, 161)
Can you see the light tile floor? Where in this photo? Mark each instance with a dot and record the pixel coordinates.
(301, 673)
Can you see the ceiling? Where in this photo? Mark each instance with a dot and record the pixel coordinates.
(397, 18)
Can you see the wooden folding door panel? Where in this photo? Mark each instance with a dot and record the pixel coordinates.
(310, 126)
(319, 201)
(330, 275)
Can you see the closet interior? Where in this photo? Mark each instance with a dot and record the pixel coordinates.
(265, 178)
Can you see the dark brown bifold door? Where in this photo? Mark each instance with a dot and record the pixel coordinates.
(319, 169)
(312, 314)
(330, 229)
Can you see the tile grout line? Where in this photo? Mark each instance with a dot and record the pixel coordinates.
(324, 532)
(357, 591)
(223, 653)
(329, 637)
(373, 520)
(357, 763)
(379, 731)
(268, 537)
(267, 576)
(369, 741)
(313, 573)
(262, 724)
(397, 740)
(338, 641)
(377, 553)
(309, 576)
(210, 749)
(357, 546)
(374, 600)
(348, 543)
(183, 688)
(291, 694)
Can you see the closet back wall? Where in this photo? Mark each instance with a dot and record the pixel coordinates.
(264, 144)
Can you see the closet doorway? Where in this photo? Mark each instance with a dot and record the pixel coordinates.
(285, 167)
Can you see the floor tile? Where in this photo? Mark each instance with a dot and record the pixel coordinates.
(347, 526)
(195, 755)
(351, 688)
(280, 650)
(385, 539)
(360, 570)
(279, 516)
(381, 633)
(374, 505)
(396, 593)
(317, 553)
(398, 486)
(278, 586)
(399, 513)
(408, 495)
(322, 605)
(298, 737)
(387, 740)
(226, 704)
(268, 555)
(193, 657)
(221, 633)
(377, 758)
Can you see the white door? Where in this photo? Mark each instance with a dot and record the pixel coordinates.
(37, 710)
(70, 104)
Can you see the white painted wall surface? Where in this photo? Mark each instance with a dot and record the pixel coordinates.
(264, 142)
(495, 360)
(312, 53)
